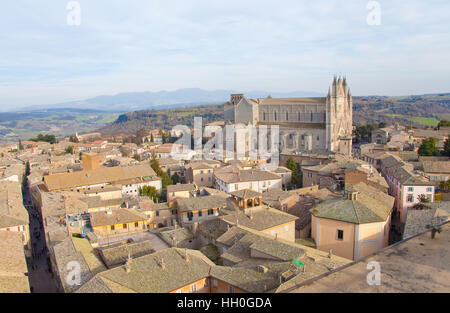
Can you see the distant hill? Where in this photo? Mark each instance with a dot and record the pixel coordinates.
(133, 101)
(418, 111)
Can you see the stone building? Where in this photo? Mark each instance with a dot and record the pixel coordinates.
(306, 124)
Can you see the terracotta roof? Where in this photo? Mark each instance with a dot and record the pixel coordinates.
(200, 203)
(246, 194)
(441, 167)
(160, 272)
(12, 211)
(260, 219)
(370, 206)
(269, 101)
(115, 216)
(118, 255)
(13, 265)
(181, 187)
(247, 176)
(99, 176)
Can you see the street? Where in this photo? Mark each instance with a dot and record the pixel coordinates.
(40, 276)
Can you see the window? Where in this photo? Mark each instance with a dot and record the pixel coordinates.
(264, 116)
(201, 179)
(231, 289)
(209, 171)
(309, 174)
(299, 116)
(287, 116)
(193, 288)
(174, 212)
(209, 178)
(124, 226)
(410, 189)
(199, 213)
(157, 213)
(113, 227)
(430, 189)
(410, 198)
(286, 228)
(275, 115)
(236, 187)
(201, 172)
(340, 234)
(190, 216)
(136, 224)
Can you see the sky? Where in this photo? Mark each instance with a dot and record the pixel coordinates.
(275, 46)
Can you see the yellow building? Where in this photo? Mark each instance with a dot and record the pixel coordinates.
(90, 161)
(180, 191)
(117, 221)
(355, 225)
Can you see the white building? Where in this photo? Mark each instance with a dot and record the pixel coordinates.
(256, 180)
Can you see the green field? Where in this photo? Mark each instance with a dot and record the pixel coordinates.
(427, 121)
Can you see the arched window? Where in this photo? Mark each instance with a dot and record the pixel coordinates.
(299, 116)
(264, 116)
(287, 116)
(275, 115)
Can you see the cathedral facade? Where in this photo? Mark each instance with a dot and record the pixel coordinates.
(306, 124)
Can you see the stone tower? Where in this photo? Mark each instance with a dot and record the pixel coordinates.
(339, 117)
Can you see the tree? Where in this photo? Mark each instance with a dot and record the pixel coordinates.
(149, 191)
(296, 174)
(447, 147)
(176, 178)
(69, 150)
(73, 139)
(444, 185)
(443, 123)
(428, 147)
(165, 178)
(423, 200)
(27, 168)
(45, 138)
(20, 145)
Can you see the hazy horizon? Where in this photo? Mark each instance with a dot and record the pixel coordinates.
(271, 46)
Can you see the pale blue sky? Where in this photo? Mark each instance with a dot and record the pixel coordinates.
(277, 46)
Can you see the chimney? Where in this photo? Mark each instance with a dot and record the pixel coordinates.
(262, 269)
(161, 264)
(186, 256)
(128, 264)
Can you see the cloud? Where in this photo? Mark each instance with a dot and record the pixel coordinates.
(285, 45)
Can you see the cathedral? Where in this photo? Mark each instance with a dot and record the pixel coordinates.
(306, 124)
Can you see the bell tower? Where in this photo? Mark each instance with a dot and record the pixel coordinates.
(339, 117)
